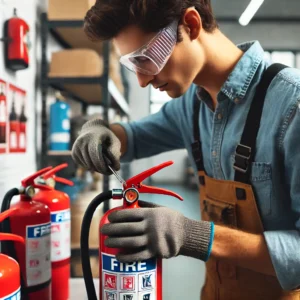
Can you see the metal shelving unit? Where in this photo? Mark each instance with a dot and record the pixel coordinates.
(110, 95)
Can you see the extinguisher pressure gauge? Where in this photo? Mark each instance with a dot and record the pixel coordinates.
(29, 191)
(131, 195)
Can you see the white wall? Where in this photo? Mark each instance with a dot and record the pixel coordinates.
(14, 167)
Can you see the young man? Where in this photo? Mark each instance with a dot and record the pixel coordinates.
(239, 121)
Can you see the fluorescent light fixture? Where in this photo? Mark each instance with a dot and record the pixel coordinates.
(250, 11)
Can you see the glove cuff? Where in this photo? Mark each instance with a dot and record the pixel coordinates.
(95, 123)
(198, 239)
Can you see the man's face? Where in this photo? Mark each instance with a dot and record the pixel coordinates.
(180, 70)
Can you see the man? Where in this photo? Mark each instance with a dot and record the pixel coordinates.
(239, 121)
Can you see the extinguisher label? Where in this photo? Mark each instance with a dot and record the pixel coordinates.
(38, 260)
(60, 235)
(128, 281)
(14, 296)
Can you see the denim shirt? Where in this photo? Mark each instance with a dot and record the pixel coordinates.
(275, 171)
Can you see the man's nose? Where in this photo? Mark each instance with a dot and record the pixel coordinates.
(143, 79)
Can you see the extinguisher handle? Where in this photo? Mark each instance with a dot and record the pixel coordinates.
(11, 237)
(144, 189)
(136, 182)
(53, 171)
(137, 179)
(63, 180)
(7, 213)
(30, 180)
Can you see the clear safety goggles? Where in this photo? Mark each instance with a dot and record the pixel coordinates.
(152, 57)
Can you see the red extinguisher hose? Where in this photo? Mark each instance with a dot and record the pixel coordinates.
(8, 247)
(84, 243)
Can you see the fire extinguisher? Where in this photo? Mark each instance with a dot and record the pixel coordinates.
(59, 204)
(16, 32)
(136, 280)
(9, 268)
(60, 125)
(32, 222)
(2, 114)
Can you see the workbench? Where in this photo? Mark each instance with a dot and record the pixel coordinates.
(77, 288)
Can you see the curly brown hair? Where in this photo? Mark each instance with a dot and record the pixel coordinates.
(107, 18)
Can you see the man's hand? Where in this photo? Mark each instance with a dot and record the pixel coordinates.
(95, 139)
(161, 232)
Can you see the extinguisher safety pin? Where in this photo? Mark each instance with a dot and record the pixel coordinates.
(120, 179)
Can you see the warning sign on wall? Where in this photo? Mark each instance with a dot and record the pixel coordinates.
(17, 120)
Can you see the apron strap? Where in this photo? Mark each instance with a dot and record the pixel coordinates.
(245, 150)
(196, 146)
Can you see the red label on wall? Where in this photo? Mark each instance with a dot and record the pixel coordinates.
(17, 120)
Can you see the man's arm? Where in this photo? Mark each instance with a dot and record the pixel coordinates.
(153, 134)
(242, 249)
(120, 132)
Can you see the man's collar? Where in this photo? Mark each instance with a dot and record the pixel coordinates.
(239, 80)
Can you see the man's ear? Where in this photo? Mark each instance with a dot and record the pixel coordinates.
(192, 23)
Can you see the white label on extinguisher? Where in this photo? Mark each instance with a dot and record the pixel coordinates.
(13, 296)
(60, 235)
(128, 281)
(38, 255)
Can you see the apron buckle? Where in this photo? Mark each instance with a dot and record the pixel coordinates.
(242, 156)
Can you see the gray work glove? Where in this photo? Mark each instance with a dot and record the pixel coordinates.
(95, 139)
(157, 231)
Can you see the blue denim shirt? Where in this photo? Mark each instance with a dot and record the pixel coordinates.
(276, 171)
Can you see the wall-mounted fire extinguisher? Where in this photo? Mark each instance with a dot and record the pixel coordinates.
(32, 222)
(136, 280)
(60, 134)
(2, 113)
(9, 268)
(16, 37)
(59, 204)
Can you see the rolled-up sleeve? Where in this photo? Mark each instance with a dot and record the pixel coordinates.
(154, 134)
(284, 246)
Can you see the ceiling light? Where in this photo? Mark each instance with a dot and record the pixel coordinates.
(250, 11)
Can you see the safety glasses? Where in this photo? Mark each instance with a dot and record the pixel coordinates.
(152, 57)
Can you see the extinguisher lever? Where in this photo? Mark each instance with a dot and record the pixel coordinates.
(30, 180)
(53, 171)
(137, 179)
(63, 180)
(155, 190)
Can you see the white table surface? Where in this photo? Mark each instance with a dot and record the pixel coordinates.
(77, 288)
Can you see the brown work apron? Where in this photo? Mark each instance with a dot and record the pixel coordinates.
(233, 204)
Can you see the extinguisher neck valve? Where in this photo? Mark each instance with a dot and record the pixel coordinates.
(117, 194)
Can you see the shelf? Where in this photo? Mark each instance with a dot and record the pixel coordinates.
(70, 34)
(59, 153)
(87, 89)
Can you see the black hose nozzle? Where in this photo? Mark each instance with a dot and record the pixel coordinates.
(84, 243)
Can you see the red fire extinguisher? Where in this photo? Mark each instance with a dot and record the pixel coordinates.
(9, 268)
(59, 204)
(136, 280)
(32, 222)
(16, 32)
